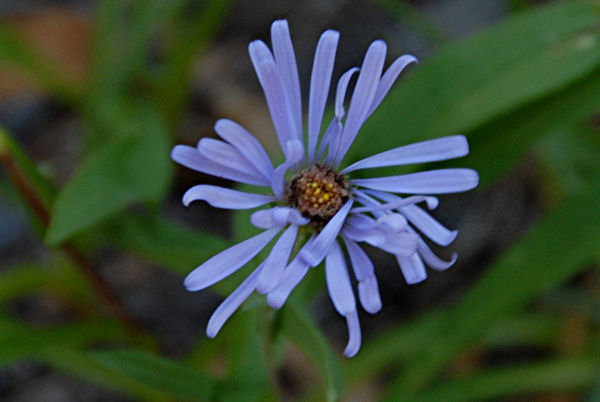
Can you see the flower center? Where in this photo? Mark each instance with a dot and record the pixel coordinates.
(318, 193)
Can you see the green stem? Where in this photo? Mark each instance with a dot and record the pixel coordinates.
(41, 212)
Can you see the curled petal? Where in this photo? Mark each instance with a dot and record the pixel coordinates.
(354, 335)
(368, 290)
(421, 220)
(340, 93)
(388, 78)
(319, 86)
(221, 197)
(232, 303)
(338, 281)
(246, 144)
(277, 217)
(191, 158)
(288, 70)
(277, 260)
(433, 260)
(332, 137)
(412, 268)
(426, 151)
(439, 181)
(368, 293)
(314, 253)
(227, 262)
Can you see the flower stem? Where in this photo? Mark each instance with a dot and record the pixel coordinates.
(41, 212)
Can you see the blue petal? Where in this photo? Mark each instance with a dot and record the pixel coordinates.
(338, 281)
(232, 303)
(363, 95)
(288, 70)
(275, 92)
(361, 263)
(421, 152)
(388, 78)
(314, 254)
(354, 335)
(294, 151)
(191, 158)
(421, 220)
(277, 260)
(291, 277)
(246, 144)
(439, 181)
(432, 203)
(433, 260)
(340, 93)
(226, 198)
(412, 268)
(224, 154)
(227, 262)
(320, 80)
(277, 217)
(368, 293)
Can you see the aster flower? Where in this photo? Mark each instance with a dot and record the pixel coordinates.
(308, 200)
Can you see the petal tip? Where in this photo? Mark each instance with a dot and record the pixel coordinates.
(275, 301)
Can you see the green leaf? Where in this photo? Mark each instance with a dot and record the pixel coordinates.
(538, 329)
(126, 169)
(501, 384)
(508, 138)
(80, 364)
(558, 247)
(21, 342)
(570, 158)
(162, 242)
(168, 376)
(487, 77)
(57, 278)
(297, 326)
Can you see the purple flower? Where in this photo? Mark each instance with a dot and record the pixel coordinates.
(311, 203)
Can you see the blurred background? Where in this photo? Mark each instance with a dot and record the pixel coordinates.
(94, 240)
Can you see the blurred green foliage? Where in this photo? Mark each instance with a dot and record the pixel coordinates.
(528, 85)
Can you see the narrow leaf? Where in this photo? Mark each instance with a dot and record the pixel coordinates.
(298, 327)
(168, 376)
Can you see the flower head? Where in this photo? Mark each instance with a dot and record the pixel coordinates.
(308, 197)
